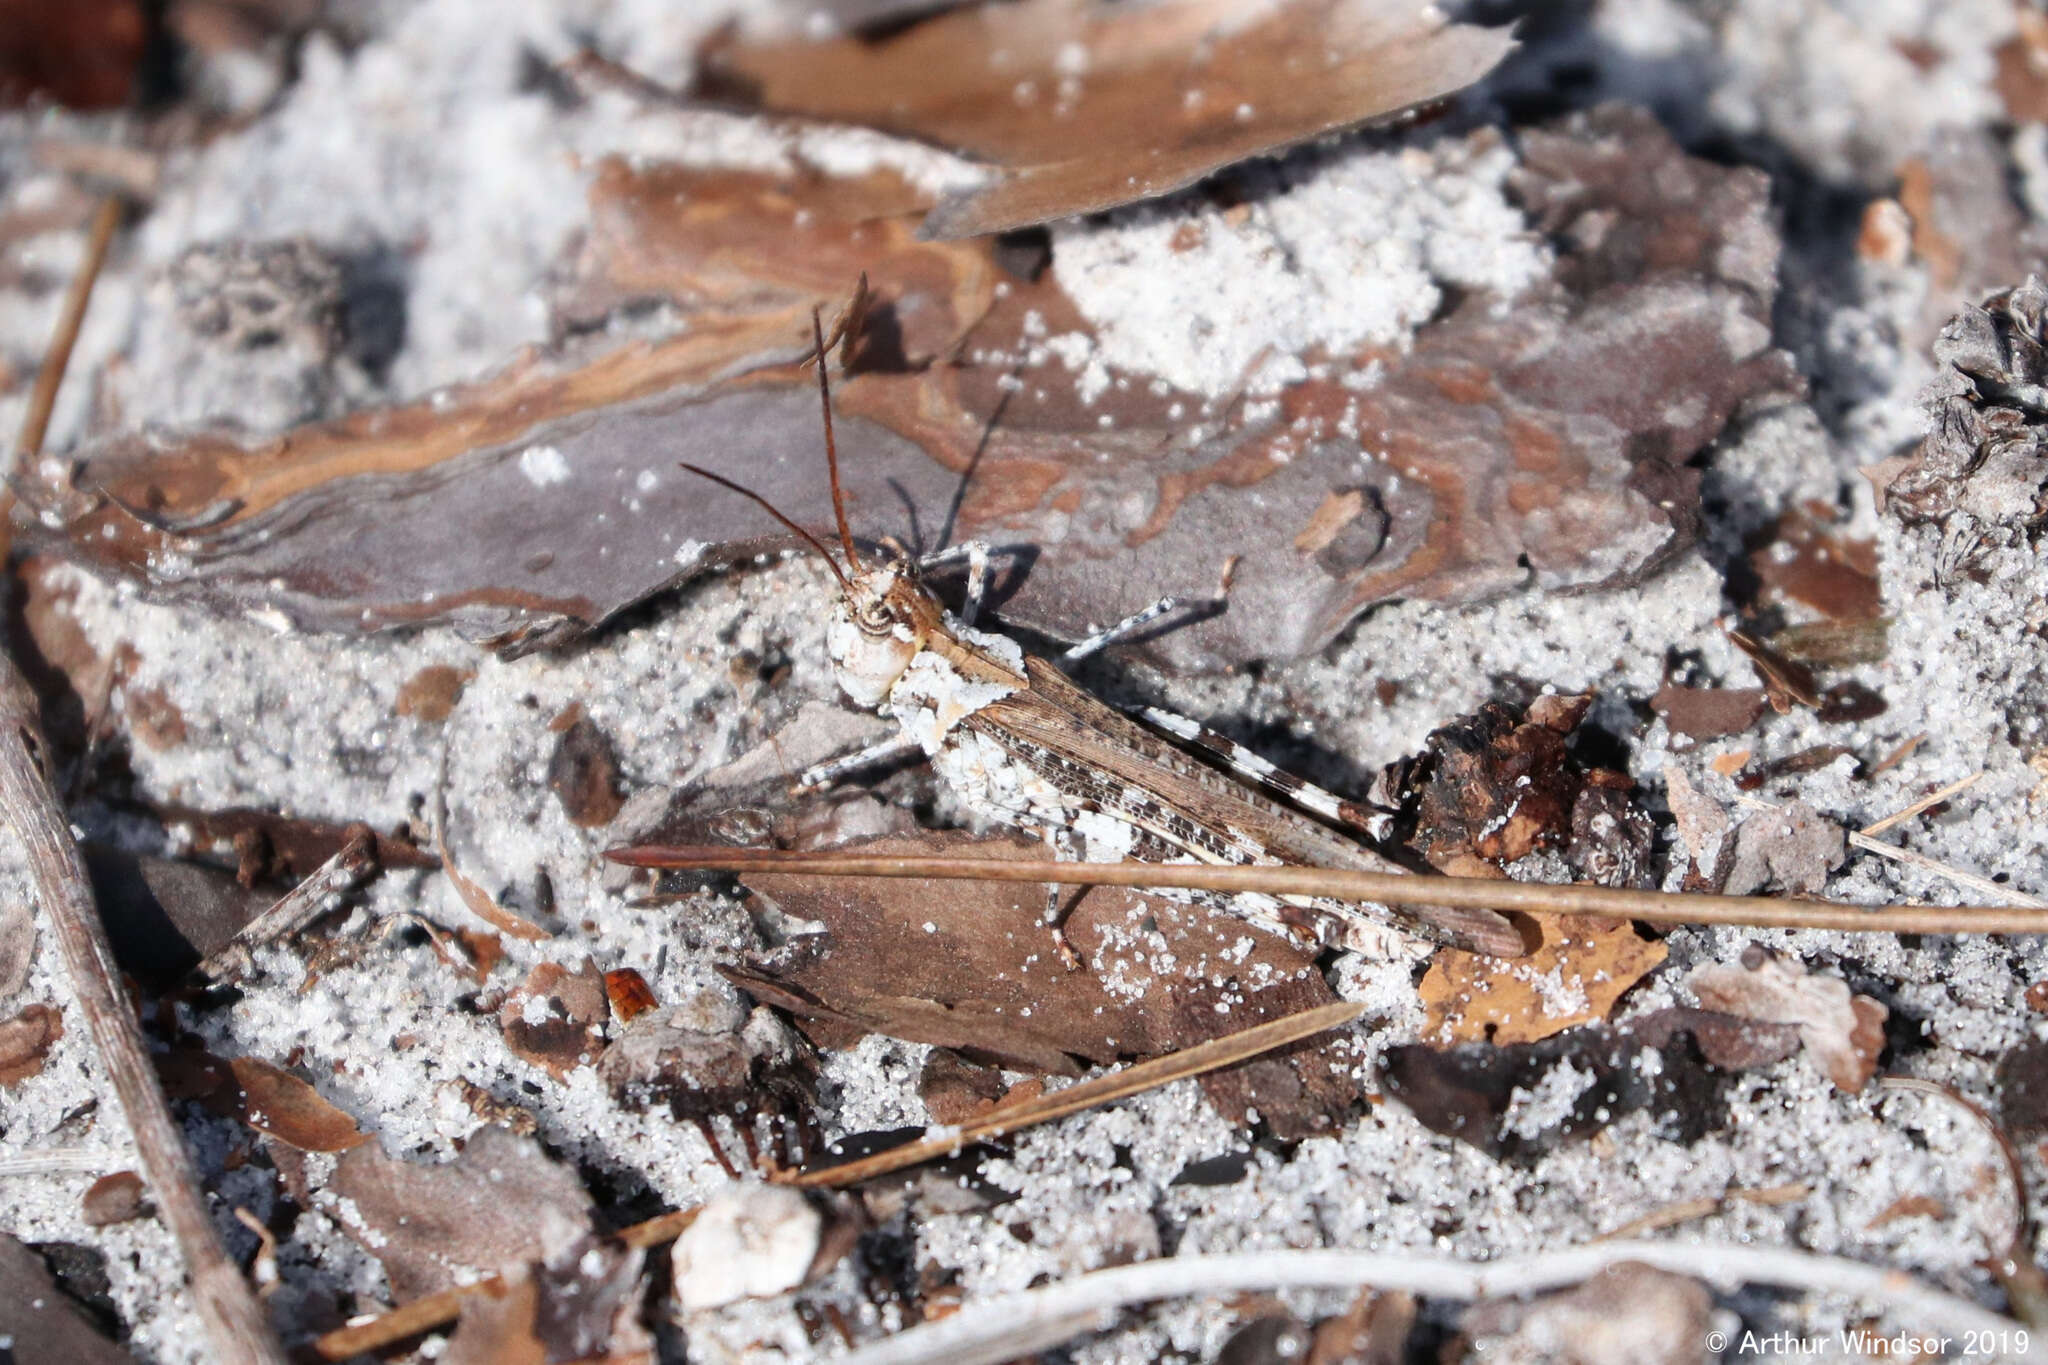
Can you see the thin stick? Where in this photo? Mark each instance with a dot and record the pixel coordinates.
(1940, 869)
(1570, 898)
(1927, 802)
(1193, 1061)
(42, 399)
(235, 1321)
(61, 1161)
(433, 1310)
(1861, 839)
(296, 909)
(982, 1333)
(1671, 1215)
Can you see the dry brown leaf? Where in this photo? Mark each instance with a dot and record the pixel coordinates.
(25, 1040)
(40, 1321)
(970, 966)
(1085, 105)
(498, 1205)
(555, 1018)
(430, 695)
(276, 1102)
(1841, 1031)
(1582, 965)
(111, 1199)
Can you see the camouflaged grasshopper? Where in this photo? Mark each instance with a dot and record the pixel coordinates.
(1022, 745)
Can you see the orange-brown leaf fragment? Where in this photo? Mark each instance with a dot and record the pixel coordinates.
(430, 694)
(280, 1104)
(1582, 966)
(25, 1040)
(1085, 105)
(1842, 1032)
(555, 1019)
(629, 993)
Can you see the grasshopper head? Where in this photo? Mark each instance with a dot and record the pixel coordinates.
(878, 628)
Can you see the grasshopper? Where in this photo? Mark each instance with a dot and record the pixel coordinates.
(1022, 745)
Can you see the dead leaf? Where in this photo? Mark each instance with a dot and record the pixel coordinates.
(2022, 1089)
(40, 1320)
(1707, 712)
(955, 1090)
(482, 904)
(430, 695)
(25, 1040)
(1791, 847)
(970, 966)
(1581, 967)
(112, 1199)
(1703, 827)
(1803, 558)
(1842, 1032)
(583, 1306)
(1519, 1101)
(498, 1205)
(280, 1104)
(1084, 105)
(555, 1018)
(583, 773)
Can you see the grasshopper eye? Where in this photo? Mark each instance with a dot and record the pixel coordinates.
(874, 620)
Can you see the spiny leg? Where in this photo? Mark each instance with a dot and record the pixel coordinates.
(976, 554)
(1103, 639)
(1061, 842)
(1296, 791)
(892, 749)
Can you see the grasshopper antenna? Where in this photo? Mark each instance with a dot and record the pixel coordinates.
(831, 448)
(776, 512)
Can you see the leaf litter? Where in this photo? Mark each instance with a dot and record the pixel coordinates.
(1586, 208)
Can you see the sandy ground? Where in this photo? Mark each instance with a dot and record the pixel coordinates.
(426, 123)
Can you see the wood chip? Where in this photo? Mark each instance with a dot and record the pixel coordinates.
(1084, 105)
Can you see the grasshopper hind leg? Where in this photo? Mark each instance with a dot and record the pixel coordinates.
(891, 750)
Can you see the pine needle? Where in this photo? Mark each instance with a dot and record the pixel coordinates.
(1545, 898)
(1132, 1080)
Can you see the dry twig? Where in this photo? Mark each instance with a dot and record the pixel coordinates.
(235, 1321)
(985, 1332)
(296, 909)
(1132, 1080)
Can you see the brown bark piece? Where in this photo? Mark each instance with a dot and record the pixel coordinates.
(1085, 105)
